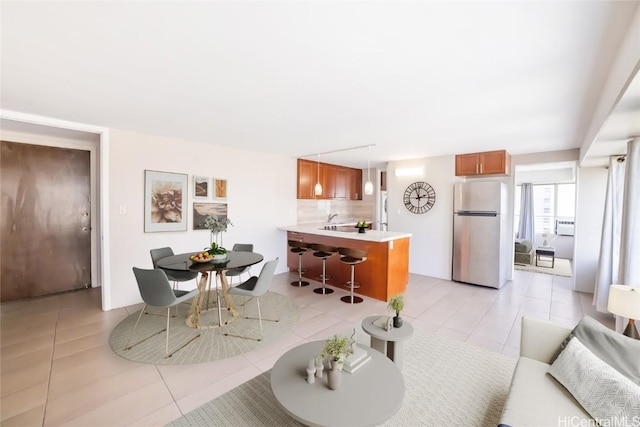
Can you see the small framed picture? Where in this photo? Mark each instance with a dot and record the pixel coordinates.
(220, 188)
(201, 187)
(165, 194)
(202, 210)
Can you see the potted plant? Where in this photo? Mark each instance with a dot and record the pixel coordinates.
(396, 303)
(361, 226)
(217, 226)
(337, 349)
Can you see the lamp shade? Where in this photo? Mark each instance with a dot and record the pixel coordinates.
(624, 301)
(368, 188)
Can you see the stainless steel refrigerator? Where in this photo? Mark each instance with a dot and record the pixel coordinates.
(480, 233)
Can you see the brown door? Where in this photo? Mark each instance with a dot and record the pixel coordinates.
(45, 240)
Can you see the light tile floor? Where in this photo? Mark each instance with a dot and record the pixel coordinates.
(57, 368)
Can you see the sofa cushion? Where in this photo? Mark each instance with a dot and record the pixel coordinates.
(605, 393)
(615, 349)
(536, 399)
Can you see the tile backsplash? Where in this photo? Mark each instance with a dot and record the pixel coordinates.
(317, 211)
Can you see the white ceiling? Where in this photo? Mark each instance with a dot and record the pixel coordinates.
(417, 79)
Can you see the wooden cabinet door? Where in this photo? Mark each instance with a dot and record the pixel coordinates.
(493, 162)
(307, 175)
(467, 164)
(328, 181)
(342, 183)
(355, 185)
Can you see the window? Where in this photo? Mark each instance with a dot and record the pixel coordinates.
(551, 202)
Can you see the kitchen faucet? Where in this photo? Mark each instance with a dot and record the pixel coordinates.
(331, 216)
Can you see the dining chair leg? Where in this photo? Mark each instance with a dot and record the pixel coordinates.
(166, 348)
(129, 347)
(259, 318)
(274, 307)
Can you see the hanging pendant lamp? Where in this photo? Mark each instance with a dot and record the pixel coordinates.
(368, 186)
(318, 187)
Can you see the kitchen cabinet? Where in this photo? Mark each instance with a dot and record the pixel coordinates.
(485, 163)
(338, 182)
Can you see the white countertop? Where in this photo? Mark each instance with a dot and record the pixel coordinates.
(369, 235)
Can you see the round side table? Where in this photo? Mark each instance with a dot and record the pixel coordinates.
(388, 343)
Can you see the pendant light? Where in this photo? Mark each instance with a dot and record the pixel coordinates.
(368, 186)
(318, 188)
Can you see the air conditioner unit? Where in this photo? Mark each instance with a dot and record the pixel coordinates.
(565, 228)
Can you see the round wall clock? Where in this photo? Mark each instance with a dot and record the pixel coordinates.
(419, 197)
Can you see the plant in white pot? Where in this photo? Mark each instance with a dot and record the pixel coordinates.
(217, 226)
(336, 348)
(396, 303)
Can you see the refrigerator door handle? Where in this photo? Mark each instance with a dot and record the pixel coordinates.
(476, 213)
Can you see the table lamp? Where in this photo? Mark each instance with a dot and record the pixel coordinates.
(625, 301)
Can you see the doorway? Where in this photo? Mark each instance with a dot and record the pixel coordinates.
(46, 227)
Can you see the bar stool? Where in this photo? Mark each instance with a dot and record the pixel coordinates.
(323, 252)
(299, 248)
(352, 257)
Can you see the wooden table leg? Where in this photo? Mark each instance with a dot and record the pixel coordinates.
(193, 319)
(228, 299)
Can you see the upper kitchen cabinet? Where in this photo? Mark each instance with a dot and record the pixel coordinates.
(486, 163)
(338, 182)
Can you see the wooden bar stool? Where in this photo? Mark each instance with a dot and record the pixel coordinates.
(352, 257)
(323, 252)
(299, 248)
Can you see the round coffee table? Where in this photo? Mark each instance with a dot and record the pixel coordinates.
(388, 343)
(366, 398)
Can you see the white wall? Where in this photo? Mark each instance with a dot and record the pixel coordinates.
(261, 196)
(430, 251)
(591, 191)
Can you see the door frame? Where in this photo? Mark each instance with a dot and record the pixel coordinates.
(99, 159)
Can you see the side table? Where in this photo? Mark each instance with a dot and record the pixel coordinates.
(388, 343)
(546, 251)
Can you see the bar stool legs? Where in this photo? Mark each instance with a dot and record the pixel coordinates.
(352, 299)
(323, 252)
(299, 248)
(352, 257)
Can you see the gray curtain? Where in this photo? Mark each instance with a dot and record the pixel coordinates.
(609, 259)
(526, 228)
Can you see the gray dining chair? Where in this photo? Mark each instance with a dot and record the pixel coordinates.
(174, 276)
(255, 287)
(156, 291)
(238, 272)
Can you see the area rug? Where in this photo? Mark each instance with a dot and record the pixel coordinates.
(211, 345)
(562, 267)
(448, 383)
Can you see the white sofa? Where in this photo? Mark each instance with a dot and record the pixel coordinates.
(535, 398)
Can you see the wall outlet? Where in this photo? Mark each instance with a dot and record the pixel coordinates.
(123, 210)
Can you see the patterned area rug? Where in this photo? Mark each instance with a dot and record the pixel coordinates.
(448, 383)
(211, 345)
(561, 267)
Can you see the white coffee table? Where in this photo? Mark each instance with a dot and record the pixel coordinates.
(388, 343)
(366, 398)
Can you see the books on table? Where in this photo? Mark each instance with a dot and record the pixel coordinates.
(356, 360)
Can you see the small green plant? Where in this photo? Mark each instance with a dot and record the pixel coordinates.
(362, 224)
(396, 303)
(214, 249)
(216, 226)
(336, 347)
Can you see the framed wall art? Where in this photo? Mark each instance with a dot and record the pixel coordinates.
(202, 210)
(165, 194)
(220, 188)
(201, 187)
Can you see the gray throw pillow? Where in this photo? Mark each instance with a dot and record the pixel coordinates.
(609, 397)
(615, 349)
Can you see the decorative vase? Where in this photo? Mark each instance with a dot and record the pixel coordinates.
(397, 321)
(334, 375)
(361, 230)
(219, 257)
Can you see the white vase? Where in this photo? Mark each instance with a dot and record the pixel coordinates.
(219, 257)
(334, 375)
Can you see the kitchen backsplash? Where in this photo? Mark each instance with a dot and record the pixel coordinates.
(317, 211)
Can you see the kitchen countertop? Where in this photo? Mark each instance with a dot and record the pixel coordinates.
(369, 235)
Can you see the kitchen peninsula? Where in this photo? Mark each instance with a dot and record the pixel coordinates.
(384, 273)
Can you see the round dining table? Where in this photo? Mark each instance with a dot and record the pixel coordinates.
(182, 262)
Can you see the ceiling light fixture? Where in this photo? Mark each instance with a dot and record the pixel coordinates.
(318, 188)
(368, 186)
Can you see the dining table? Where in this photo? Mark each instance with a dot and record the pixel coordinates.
(233, 260)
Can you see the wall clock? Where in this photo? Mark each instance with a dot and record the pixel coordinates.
(419, 197)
